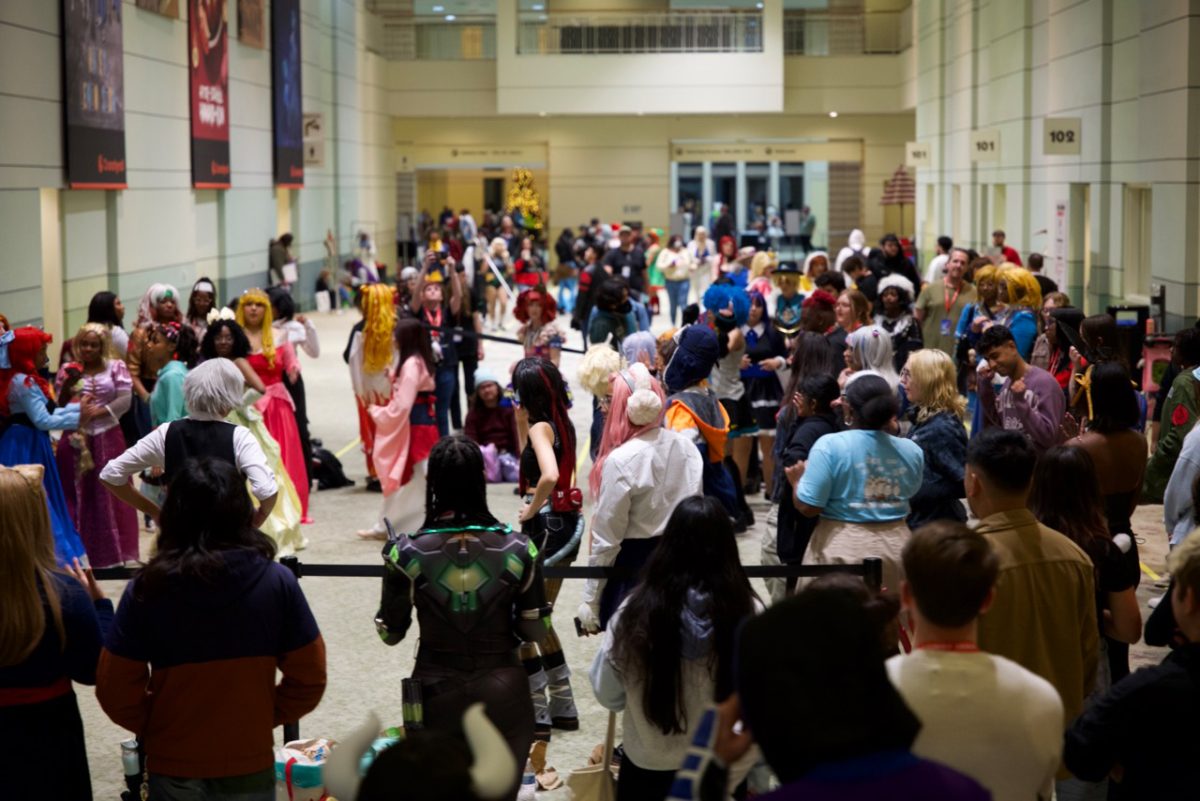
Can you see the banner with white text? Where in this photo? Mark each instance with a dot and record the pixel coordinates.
(208, 66)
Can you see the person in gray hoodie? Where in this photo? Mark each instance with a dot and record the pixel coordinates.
(668, 651)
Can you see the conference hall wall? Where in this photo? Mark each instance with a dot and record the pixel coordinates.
(62, 245)
(619, 167)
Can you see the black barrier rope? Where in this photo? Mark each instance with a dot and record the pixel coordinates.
(871, 570)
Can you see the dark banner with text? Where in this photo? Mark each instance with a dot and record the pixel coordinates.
(208, 66)
(94, 94)
(285, 93)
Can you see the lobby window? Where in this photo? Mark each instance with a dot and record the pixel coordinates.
(690, 187)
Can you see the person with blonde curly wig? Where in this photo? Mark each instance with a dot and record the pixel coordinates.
(1021, 295)
(270, 361)
(371, 353)
(937, 412)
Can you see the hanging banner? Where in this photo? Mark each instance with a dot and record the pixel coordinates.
(94, 85)
(208, 66)
(285, 93)
(251, 30)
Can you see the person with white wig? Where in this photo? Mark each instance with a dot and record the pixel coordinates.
(641, 473)
(870, 348)
(640, 347)
(212, 390)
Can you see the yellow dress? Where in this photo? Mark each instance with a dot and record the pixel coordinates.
(283, 525)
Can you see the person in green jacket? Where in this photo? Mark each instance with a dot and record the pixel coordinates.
(1177, 416)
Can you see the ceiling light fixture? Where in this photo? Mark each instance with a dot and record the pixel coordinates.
(438, 9)
(450, 18)
(541, 114)
(538, 6)
(758, 6)
(833, 114)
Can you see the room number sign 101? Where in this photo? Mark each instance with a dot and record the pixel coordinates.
(1062, 136)
(985, 145)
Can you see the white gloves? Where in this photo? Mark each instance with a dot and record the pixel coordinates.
(589, 618)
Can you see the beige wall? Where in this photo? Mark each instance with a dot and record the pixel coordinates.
(618, 167)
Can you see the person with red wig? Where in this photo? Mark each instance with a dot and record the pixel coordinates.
(29, 415)
(539, 335)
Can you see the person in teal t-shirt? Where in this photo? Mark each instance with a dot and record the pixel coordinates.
(859, 482)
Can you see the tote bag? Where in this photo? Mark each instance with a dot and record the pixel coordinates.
(597, 782)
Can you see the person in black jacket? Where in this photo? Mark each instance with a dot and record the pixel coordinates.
(937, 412)
(810, 417)
(889, 259)
(1109, 735)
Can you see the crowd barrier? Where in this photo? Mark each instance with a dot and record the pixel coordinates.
(870, 569)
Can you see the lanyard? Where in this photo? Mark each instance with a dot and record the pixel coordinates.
(956, 647)
(950, 303)
(435, 321)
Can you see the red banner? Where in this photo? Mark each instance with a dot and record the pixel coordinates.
(208, 66)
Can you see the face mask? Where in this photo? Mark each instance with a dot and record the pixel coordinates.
(625, 307)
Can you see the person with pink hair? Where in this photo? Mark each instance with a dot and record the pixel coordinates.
(641, 473)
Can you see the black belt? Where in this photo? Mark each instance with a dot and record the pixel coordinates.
(468, 663)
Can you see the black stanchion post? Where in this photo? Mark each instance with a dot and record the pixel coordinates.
(873, 574)
(291, 731)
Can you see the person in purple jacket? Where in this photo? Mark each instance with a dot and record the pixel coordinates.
(813, 692)
(1028, 399)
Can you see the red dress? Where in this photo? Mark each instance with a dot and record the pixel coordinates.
(279, 416)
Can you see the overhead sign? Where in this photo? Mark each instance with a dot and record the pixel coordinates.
(842, 150)
(1061, 136)
(412, 157)
(985, 145)
(917, 154)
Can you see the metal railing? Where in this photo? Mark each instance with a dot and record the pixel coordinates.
(831, 33)
(436, 40)
(673, 32)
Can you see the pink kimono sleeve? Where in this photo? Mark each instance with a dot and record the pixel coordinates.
(393, 426)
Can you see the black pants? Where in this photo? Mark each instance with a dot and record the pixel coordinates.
(639, 784)
(296, 390)
(469, 364)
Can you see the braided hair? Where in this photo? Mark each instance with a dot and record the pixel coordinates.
(455, 489)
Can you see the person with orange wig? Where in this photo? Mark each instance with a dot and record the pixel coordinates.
(371, 353)
(30, 414)
(270, 361)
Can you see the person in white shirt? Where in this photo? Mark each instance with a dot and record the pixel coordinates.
(702, 252)
(981, 714)
(937, 265)
(211, 391)
(856, 245)
(641, 473)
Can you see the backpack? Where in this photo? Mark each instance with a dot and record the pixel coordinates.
(327, 469)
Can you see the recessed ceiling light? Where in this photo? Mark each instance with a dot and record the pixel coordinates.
(450, 18)
(538, 6)
(438, 9)
(758, 6)
(833, 114)
(541, 114)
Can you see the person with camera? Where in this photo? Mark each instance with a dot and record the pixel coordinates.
(434, 310)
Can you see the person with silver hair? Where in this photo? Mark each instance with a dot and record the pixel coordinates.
(212, 390)
(642, 347)
(870, 348)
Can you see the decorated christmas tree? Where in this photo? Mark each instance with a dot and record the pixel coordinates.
(524, 204)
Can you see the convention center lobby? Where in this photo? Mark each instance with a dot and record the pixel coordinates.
(611, 400)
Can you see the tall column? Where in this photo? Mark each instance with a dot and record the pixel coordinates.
(773, 187)
(740, 197)
(706, 195)
(673, 189)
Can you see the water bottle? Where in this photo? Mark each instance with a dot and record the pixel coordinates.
(129, 758)
(528, 790)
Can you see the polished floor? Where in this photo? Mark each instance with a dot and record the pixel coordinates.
(363, 673)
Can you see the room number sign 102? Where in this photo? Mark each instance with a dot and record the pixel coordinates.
(1062, 136)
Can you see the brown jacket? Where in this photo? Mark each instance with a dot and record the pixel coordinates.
(1044, 614)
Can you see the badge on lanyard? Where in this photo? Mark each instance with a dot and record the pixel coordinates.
(945, 329)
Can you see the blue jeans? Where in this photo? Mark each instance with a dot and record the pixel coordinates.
(446, 384)
(568, 288)
(677, 296)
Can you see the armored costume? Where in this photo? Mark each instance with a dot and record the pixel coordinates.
(478, 592)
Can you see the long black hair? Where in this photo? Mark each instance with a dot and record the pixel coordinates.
(697, 553)
(1114, 402)
(543, 395)
(283, 307)
(412, 339)
(207, 511)
(103, 309)
(241, 343)
(811, 356)
(455, 488)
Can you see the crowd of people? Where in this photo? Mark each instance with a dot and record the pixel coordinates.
(964, 423)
